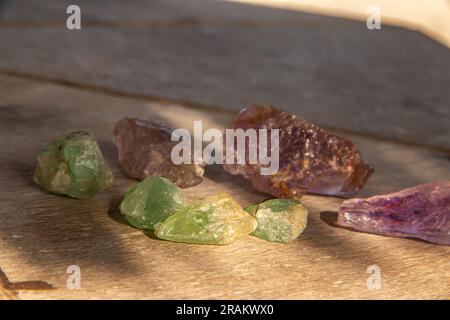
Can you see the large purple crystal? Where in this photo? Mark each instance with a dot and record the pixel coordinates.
(420, 212)
(311, 160)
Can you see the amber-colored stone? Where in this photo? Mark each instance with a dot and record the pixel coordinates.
(311, 160)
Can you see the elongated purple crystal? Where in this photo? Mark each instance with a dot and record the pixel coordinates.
(419, 212)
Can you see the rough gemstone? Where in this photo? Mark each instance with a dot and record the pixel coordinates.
(73, 165)
(145, 149)
(150, 201)
(216, 219)
(419, 212)
(279, 220)
(311, 160)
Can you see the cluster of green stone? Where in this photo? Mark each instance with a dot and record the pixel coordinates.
(73, 165)
(158, 204)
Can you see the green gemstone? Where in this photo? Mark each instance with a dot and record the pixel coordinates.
(279, 220)
(216, 219)
(73, 165)
(151, 201)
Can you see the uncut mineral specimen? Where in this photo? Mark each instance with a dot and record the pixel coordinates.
(311, 160)
(216, 219)
(73, 165)
(151, 201)
(279, 220)
(419, 212)
(145, 149)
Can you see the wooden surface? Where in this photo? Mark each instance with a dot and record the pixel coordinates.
(390, 82)
(42, 234)
(432, 19)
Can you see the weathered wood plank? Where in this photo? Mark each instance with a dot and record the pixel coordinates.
(41, 234)
(336, 72)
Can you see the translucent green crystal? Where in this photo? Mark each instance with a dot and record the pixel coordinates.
(150, 201)
(279, 220)
(73, 165)
(216, 219)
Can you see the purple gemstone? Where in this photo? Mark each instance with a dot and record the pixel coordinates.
(419, 212)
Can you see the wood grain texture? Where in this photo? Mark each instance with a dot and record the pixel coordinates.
(433, 20)
(42, 234)
(233, 54)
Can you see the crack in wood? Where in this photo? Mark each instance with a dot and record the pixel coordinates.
(8, 290)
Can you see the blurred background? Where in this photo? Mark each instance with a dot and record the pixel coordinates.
(316, 58)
